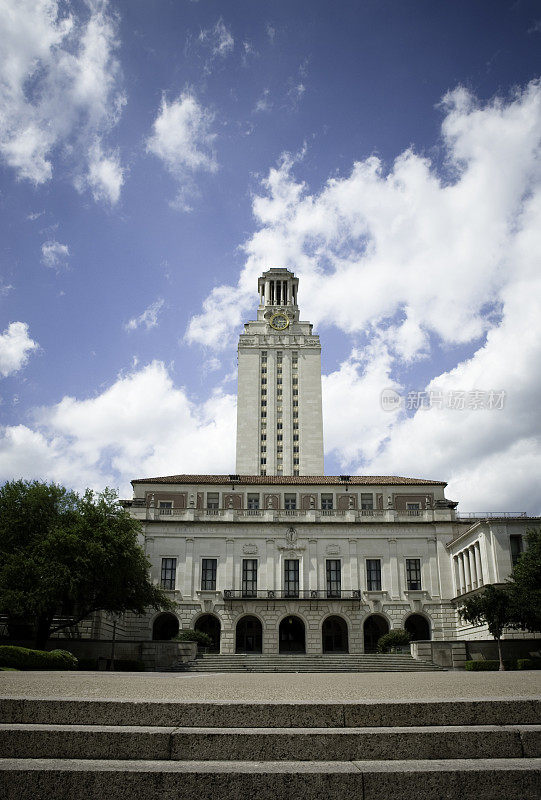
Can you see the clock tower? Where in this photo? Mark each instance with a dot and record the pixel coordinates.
(279, 418)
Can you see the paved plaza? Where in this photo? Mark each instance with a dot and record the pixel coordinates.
(270, 688)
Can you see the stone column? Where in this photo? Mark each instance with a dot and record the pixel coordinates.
(393, 562)
(188, 569)
(353, 565)
(458, 589)
(462, 577)
(270, 564)
(473, 567)
(229, 580)
(433, 567)
(312, 564)
(467, 573)
(477, 556)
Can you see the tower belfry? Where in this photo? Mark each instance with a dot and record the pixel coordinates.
(279, 417)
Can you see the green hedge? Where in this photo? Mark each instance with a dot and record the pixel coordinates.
(488, 666)
(529, 663)
(23, 658)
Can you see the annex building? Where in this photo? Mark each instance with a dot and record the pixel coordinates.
(279, 557)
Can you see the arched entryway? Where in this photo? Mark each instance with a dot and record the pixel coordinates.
(334, 634)
(210, 625)
(418, 627)
(292, 636)
(249, 635)
(165, 627)
(374, 627)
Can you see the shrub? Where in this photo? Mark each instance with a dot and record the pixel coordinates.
(529, 663)
(189, 635)
(488, 666)
(25, 659)
(396, 638)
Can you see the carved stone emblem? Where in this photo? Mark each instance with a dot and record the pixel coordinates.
(249, 549)
(333, 549)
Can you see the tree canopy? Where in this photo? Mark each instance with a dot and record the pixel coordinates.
(66, 555)
(525, 585)
(491, 607)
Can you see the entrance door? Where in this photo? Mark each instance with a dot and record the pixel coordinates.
(249, 638)
(210, 625)
(374, 627)
(335, 635)
(292, 639)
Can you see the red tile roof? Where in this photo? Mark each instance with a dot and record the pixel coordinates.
(295, 480)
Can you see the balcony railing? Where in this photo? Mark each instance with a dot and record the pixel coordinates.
(312, 514)
(489, 514)
(288, 594)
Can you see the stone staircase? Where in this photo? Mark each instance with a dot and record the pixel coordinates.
(301, 662)
(371, 750)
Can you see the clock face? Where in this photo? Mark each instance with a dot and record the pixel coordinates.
(279, 322)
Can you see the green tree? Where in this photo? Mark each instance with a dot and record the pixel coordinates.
(493, 607)
(525, 585)
(62, 555)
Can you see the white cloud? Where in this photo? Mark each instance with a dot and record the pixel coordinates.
(149, 317)
(183, 140)
(218, 39)
(105, 175)
(264, 103)
(15, 348)
(59, 86)
(140, 426)
(417, 260)
(54, 255)
(5, 288)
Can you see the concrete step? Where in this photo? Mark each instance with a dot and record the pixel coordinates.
(76, 779)
(373, 714)
(271, 744)
(244, 662)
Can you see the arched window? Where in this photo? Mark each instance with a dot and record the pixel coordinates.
(165, 627)
(210, 625)
(418, 627)
(292, 636)
(249, 635)
(334, 634)
(374, 627)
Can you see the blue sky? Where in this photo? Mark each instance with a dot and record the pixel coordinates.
(156, 157)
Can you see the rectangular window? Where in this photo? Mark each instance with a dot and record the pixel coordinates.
(290, 501)
(249, 577)
(263, 414)
(263, 381)
(263, 402)
(263, 370)
(169, 573)
(333, 577)
(279, 426)
(373, 574)
(367, 501)
(295, 403)
(279, 448)
(413, 573)
(263, 392)
(279, 371)
(165, 507)
(295, 437)
(291, 577)
(279, 437)
(515, 543)
(295, 472)
(295, 381)
(263, 437)
(295, 448)
(295, 392)
(295, 461)
(253, 501)
(208, 574)
(263, 448)
(278, 393)
(213, 499)
(326, 500)
(263, 460)
(263, 472)
(295, 427)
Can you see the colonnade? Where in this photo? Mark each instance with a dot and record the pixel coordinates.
(468, 569)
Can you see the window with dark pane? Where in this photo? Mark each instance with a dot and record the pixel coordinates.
(291, 577)
(413, 573)
(333, 577)
(373, 574)
(249, 577)
(208, 574)
(169, 573)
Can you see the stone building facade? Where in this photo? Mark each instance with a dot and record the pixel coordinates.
(279, 557)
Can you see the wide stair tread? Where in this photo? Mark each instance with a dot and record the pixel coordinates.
(306, 663)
